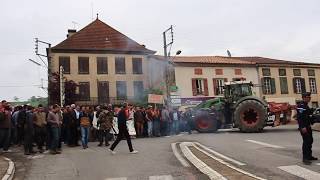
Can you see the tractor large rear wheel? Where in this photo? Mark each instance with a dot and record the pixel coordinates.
(250, 116)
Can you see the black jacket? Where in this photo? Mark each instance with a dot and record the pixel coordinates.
(304, 115)
(122, 119)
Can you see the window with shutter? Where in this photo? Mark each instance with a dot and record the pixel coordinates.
(218, 86)
(120, 65)
(311, 72)
(283, 85)
(137, 65)
(83, 65)
(237, 72)
(102, 65)
(138, 89)
(303, 85)
(273, 86)
(219, 71)
(64, 61)
(266, 72)
(103, 92)
(299, 85)
(84, 91)
(199, 87)
(266, 85)
(194, 86)
(198, 71)
(313, 85)
(121, 90)
(205, 84)
(296, 72)
(282, 72)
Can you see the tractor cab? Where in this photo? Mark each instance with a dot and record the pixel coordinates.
(235, 90)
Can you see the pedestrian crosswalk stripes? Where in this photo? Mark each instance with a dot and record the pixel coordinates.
(121, 178)
(301, 172)
(265, 144)
(165, 177)
(161, 177)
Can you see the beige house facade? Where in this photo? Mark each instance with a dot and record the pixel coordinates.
(285, 83)
(108, 66)
(202, 77)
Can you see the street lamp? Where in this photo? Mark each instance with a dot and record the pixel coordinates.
(170, 74)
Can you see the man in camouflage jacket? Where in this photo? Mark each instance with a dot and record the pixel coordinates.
(105, 123)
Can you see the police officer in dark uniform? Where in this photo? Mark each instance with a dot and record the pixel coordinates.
(305, 120)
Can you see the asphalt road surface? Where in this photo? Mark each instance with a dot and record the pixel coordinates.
(273, 154)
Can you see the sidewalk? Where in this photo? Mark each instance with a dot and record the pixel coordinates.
(6, 168)
(316, 127)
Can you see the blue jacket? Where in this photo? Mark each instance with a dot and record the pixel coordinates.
(304, 115)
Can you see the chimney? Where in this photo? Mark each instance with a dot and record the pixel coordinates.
(71, 32)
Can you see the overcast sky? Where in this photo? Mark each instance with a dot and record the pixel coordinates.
(284, 29)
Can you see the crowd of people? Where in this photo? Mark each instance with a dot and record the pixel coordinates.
(40, 129)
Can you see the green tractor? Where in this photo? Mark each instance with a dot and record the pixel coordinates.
(239, 108)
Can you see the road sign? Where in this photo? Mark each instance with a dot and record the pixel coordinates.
(175, 100)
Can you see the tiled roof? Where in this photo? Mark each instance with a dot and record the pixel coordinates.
(232, 60)
(204, 59)
(263, 60)
(100, 36)
(209, 60)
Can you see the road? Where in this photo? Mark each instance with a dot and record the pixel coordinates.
(273, 154)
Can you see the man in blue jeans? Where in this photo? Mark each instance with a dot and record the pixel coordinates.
(55, 123)
(175, 121)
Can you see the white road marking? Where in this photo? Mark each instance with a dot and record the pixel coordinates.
(318, 164)
(164, 177)
(265, 144)
(178, 156)
(227, 164)
(200, 165)
(121, 178)
(301, 172)
(221, 155)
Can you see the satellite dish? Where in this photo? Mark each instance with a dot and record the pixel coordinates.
(229, 53)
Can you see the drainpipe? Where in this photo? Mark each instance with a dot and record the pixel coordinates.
(259, 81)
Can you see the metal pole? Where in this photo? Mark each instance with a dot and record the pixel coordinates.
(166, 66)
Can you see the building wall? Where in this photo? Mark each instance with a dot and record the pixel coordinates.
(156, 76)
(93, 77)
(291, 97)
(185, 74)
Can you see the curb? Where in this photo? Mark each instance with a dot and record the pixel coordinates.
(10, 171)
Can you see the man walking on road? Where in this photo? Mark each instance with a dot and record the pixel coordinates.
(123, 116)
(304, 117)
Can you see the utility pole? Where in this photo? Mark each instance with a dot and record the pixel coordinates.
(47, 65)
(62, 95)
(166, 55)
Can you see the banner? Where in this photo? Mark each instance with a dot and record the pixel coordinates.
(155, 99)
